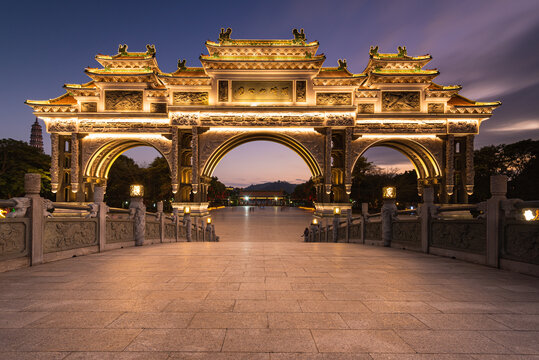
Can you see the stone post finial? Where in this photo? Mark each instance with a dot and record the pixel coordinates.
(498, 185)
(99, 194)
(160, 206)
(32, 183)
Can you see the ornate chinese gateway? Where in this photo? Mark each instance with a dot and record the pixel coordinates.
(275, 90)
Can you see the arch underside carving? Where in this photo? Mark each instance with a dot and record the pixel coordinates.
(424, 154)
(216, 146)
(98, 156)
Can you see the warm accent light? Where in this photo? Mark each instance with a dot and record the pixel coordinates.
(208, 220)
(315, 221)
(187, 210)
(246, 198)
(369, 136)
(260, 129)
(136, 136)
(337, 211)
(3, 213)
(136, 191)
(531, 215)
(389, 192)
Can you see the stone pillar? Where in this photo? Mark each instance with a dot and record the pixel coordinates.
(498, 190)
(450, 166)
(175, 161)
(139, 209)
(208, 233)
(161, 218)
(195, 178)
(424, 214)
(364, 213)
(348, 163)
(470, 173)
(327, 167)
(187, 224)
(32, 187)
(54, 162)
(389, 212)
(75, 164)
(335, 228)
(99, 196)
(175, 217)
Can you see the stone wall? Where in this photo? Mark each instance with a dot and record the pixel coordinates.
(14, 238)
(66, 234)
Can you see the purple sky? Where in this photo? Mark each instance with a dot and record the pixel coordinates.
(490, 47)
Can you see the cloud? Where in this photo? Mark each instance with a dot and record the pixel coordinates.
(525, 125)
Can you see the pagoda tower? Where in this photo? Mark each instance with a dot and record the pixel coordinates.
(36, 136)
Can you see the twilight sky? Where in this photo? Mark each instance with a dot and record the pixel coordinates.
(489, 47)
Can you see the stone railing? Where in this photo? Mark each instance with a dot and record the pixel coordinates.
(492, 233)
(39, 230)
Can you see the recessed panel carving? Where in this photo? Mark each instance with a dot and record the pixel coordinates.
(223, 91)
(333, 98)
(262, 91)
(123, 100)
(190, 98)
(365, 108)
(158, 107)
(436, 108)
(462, 127)
(88, 107)
(301, 91)
(400, 101)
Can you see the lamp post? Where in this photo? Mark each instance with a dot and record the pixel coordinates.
(208, 234)
(389, 212)
(336, 215)
(314, 234)
(138, 210)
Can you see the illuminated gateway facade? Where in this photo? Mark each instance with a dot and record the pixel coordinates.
(275, 90)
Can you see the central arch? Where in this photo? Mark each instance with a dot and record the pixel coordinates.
(283, 139)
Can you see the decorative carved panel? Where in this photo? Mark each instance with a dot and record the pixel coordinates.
(190, 98)
(63, 235)
(365, 108)
(223, 91)
(373, 231)
(170, 231)
(462, 127)
(158, 107)
(436, 108)
(301, 91)
(400, 101)
(521, 242)
(335, 98)
(407, 232)
(123, 100)
(88, 107)
(262, 91)
(463, 235)
(151, 230)
(12, 238)
(119, 231)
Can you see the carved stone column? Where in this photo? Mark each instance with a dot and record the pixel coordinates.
(32, 187)
(138, 210)
(195, 179)
(327, 166)
(54, 162)
(75, 162)
(470, 173)
(174, 165)
(450, 165)
(348, 158)
(389, 213)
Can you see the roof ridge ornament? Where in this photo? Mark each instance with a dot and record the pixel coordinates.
(342, 64)
(225, 35)
(150, 49)
(122, 49)
(402, 51)
(373, 51)
(299, 36)
(181, 64)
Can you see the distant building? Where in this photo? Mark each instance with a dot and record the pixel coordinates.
(262, 197)
(36, 136)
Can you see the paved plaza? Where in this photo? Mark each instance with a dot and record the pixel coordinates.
(234, 300)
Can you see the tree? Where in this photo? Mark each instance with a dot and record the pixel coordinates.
(18, 158)
(123, 173)
(216, 192)
(304, 193)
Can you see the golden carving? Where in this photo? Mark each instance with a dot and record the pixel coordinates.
(436, 108)
(158, 107)
(223, 91)
(88, 107)
(301, 91)
(365, 108)
(264, 91)
(122, 100)
(400, 101)
(327, 98)
(190, 98)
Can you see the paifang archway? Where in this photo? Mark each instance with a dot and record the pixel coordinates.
(275, 90)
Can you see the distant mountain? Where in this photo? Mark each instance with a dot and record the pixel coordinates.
(272, 186)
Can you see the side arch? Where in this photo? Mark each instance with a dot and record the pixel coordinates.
(235, 141)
